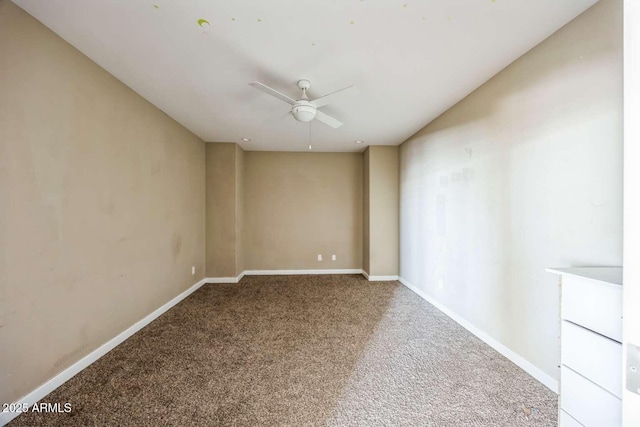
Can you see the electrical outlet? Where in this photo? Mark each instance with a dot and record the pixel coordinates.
(333, 257)
(319, 257)
(193, 270)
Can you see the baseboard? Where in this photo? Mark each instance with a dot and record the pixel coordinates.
(378, 278)
(296, 272)
(527, 366)
(299, 272)
(277, 273)
(55, 382)
(222, 279)
(225, 279)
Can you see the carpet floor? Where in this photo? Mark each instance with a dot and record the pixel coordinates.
(302, 351)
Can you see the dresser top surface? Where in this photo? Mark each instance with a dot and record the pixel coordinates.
(602, 274)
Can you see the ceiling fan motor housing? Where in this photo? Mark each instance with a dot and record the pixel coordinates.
(303, 111)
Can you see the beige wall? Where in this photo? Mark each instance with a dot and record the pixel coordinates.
(366, 243)
(222, 210)
(102, 205)
(225, 210)
(523, 174)
(239, 210)
(381, 210)
(299, 205)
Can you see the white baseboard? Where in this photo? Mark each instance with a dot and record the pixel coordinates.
(55, 382)
(296, 272)
(379, 278)
(278, 273)
(223, 279)
(527, 366)
(382, 278)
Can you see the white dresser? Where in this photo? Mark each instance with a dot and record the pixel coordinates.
(590, 388)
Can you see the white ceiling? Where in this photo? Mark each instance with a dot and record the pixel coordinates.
(410, 60)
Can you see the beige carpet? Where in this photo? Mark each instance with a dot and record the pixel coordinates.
(302, 351)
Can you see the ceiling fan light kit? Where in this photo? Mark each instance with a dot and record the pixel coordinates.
(304, 109)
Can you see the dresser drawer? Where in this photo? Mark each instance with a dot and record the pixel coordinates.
(593, 356)
(593, 304)
(589, 404)
(567, 420)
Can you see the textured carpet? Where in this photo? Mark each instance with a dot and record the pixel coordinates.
(302, 351)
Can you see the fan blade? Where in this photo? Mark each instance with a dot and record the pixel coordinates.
(330, 97)
(266, 89)
(328, 120)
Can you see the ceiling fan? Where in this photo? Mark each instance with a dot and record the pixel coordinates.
(305, 109)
